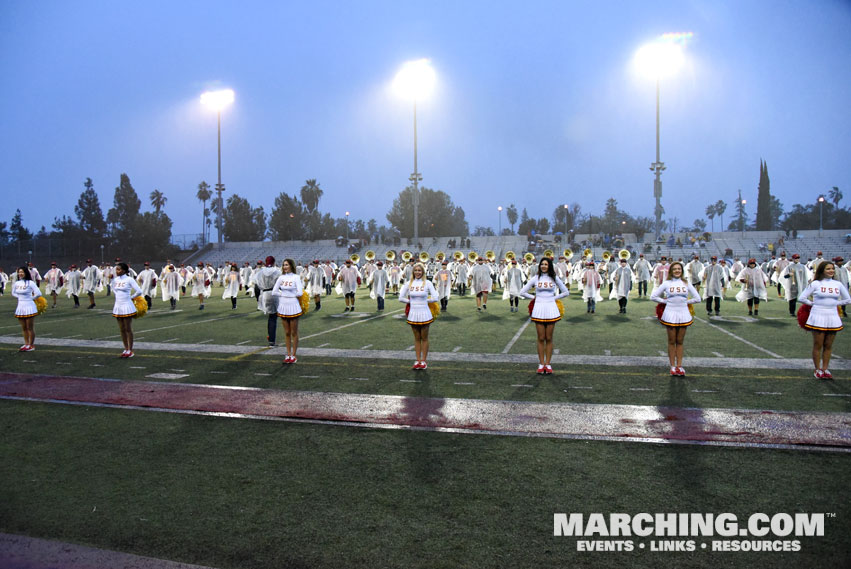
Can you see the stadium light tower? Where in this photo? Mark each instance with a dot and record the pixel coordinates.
(413, 82)
(657, 59)
(820, 207)
(499, 233)
(218, 100)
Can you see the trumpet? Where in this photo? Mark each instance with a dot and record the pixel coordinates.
(490, 255)
(355, 258)
(606, 256)
(529, 258)
(472, 256)
(390, 255)
(624, 254)
(568, 253)
(369, 255)
(424, 257)
(407, 256)
(549, 253)
(458, 255)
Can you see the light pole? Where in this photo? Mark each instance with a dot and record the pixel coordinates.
(414, 81)
(218, 100)
(663, 56)
(742, 215)
(565, 220)
(347, 228)
(101, 254)
(820, 207)
(292, 234)
(499, 209)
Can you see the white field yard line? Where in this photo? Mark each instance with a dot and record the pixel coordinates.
(516, 337)
(350, 324)
(177, 325)
(739, 338)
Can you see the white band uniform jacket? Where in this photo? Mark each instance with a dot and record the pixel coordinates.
(123, 288)
(289, 289)
(417, 294)
(827, 295)
(545, 309)
(25, 291)
(676, 295)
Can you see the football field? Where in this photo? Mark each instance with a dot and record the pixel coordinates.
(236, 492)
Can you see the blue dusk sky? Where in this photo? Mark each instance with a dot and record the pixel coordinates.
(536, 103)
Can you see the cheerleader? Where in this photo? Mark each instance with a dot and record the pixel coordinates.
(545, 314)
(289, 289)
(416, 293)
(824, 322)
(126, 289)
(676, 294)
(233, 284)
(25, 290)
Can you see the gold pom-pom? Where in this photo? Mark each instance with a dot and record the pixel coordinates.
(435, 309)
(560, 307)
(41, 304)
(141, 306)
(304, 301)
(691, 309)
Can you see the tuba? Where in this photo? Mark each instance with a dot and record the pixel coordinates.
(390, 255)
(355, 258)
(529, 258)
(549, 253)
(472, 256)
(458, 256)
(440, 256)
(424, 257)
(588, 254)
(406, 256)
(606, 256)
(510, 256)
(490, 256)
(568, 253)
(624, 254)
(369, 255)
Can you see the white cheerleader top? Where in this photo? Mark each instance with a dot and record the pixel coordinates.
(546, 289)
(288, 285)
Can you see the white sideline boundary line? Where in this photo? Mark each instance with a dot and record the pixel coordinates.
(739, 338)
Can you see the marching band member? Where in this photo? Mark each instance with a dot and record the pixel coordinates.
(316, 283)
(245, 273)
(73, 282)
(842, 275)
(713, 285)
(171, 284)
(443, 285)
(545, 313)
(395, 277)
(349, 277)
(660, 272)
(4, 278)
(147, 281)
(693, 270)
(815, 263)
(642, 274)
(106, 274)
(288, 289)
(200, 280)
(267, 302)
(591, 283)
(753, 290)
(482, 283)
(824, 322)
(622, 280)
(676, 294)
(34, 274)
(233, 284)
(125, 289)
(462, 273)
(515, 278)
(781, 264)
(55, 278)
(794, 279)
(328, 269)
(416, 293)
(91, 278)
(25, 290)
(378, 281)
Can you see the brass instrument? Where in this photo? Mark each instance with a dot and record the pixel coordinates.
(490, 255)
(355, 258)
(440, 256)
(606, 256)
(407, 256)
(624, 254)
(510, 256)
(369, 255)
(529, 258)
(458, 256)
(588, 254)
(472, 256)
(390, 255)
(549, 253)
(424, 257)
(568, 254)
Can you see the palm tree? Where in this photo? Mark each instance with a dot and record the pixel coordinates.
(720, 208)
(203, 195)
(835, 196)
(710, 213)
(158, 200)
(310, 194)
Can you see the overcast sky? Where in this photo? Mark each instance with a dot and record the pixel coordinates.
(537, 103)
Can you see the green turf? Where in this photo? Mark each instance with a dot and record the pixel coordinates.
(256, 494)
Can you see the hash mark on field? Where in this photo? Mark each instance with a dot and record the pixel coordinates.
(207, 341)
(63, 363)
(167, 375)
(48, 334)
(717, 354)
(579, 387)
(97, 365)
(177, 370)
(137, 367)
(409, 348)
(310, 376)
(464, 383)
(30, 361)
(74, 336)
(241, 343)
(456, 349)
(410, 380)
(663, 353)
(359, 378)
(607, 352)
(641, 389)
(704, 391)
(836, 394)
(768, 392)
(556, 351)
(323, 345)
(366, 347)
(264, 374)
(169, 340)
(219, 372)
(521, 385)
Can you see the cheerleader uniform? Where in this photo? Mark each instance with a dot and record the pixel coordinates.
(827, 295)
(123, 288)
(25, 291)
(545, 309)
(416, 294)
(289, 289)
(676, 295)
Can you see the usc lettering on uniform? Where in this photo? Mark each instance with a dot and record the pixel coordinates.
(829, 290)
(418, 288)
(546, 284)
(677, 289)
